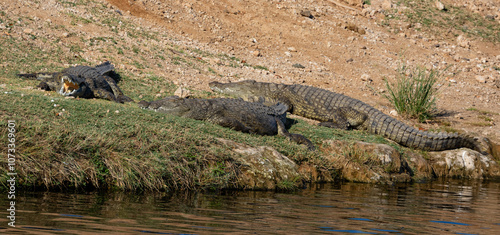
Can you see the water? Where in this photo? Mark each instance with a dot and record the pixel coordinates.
(455, 207)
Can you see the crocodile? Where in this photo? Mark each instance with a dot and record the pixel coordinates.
(81, 81)
(340, 111)
(237, 114)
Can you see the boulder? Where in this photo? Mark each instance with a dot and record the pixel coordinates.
(263, 167)
(463, 163)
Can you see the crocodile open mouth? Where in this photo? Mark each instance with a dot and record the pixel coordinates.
(68, 86)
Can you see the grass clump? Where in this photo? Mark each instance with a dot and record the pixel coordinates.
(413, 94)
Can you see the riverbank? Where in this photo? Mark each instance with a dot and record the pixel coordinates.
(96, 144)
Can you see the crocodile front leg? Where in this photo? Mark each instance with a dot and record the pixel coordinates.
(297, 138)
(103, 94)
(118, 94)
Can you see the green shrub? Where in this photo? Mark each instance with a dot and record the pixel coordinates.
(413, 93)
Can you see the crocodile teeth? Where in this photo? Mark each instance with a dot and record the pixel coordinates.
(68, 86)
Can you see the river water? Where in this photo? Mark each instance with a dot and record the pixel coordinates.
(451, 207)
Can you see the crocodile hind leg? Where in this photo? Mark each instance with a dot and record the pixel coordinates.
(344, 118)
(297, 138)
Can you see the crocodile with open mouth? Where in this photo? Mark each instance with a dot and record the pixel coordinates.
(82, 81)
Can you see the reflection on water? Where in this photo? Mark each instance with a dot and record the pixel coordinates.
(436, 208)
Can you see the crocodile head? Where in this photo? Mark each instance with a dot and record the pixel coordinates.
(72, 86)
(171, 105)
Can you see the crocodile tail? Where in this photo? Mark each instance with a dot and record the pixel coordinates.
(403, 134)
(105, 67)
(37, 76)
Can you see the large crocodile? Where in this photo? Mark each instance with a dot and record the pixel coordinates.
(340, 111)
(237, 114)
(82, 81)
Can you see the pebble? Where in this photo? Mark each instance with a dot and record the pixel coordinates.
(292, 49)
(256, 53)
(299, 66)
(439, 5)
(307, 14)
(387, 4)
(365, 77)
(182, 92)
(481, 79)
(28, 31)
(463, 42)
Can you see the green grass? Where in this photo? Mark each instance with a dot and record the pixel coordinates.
(456, 20)
(413, 93)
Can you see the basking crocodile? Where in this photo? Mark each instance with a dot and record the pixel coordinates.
(82, 81)
(237, 114)
(340, 111)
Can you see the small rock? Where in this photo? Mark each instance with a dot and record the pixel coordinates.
(117, 111)
(365, 77)
(439, 5)
(182, 92)
(387, 4)
(215, 61)
(256, 53)
(349, 60)
(65, 35)
(299, 66)
(393, 113)
(481, 79)
(292, 49)
(306, 14)
(287, 53)
(463, 42)
(28, 31)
